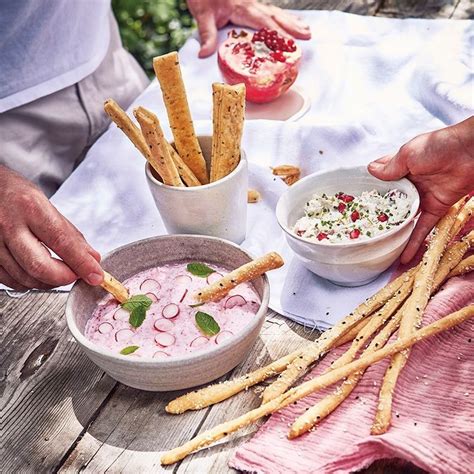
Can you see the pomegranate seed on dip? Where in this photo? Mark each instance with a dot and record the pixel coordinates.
(342, 217)
(161, 320)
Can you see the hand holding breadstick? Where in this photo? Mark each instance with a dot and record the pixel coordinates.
(246, 272)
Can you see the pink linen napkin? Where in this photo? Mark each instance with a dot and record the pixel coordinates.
(433, 412)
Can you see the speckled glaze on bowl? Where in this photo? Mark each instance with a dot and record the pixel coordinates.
(175, 373)
(352, 263)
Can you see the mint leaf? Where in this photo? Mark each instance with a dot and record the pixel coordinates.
(137, 316)
(206, 324)
(199, 269)
(129, 350)
(137, 306)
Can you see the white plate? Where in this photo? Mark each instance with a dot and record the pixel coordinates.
(288, 108)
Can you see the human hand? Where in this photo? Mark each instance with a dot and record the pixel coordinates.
(29, 226)
(441, 166)
(211, 15)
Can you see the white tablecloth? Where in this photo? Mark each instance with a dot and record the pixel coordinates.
(374, 83)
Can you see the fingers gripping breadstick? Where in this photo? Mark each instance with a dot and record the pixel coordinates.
(208, 437)
(246, 272)
(299, 366)
(222, 391)
(414, 309)
(115, 288)
(169, 76)
(159, 152)
(228, 123)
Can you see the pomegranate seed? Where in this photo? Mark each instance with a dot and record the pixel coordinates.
(322, 236)
(354, 216)
(299, 233)
(354, 234)
(342, 207)
(382, 217)
(279, 56)
(347, 198)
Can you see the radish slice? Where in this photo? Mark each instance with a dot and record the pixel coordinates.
(213, 277)
(123, 335)
(199, 341)
(160, 355)
(121, 315)
(164, 325)
(222, 336)
(153, 297)
(105, 328)
(183, 280)
(150, 286)
(170, 311)
(165, 339)
(235, 300)
(179, 294)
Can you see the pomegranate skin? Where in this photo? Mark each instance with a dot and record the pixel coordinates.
(266, 70)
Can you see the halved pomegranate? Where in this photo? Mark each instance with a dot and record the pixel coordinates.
(264, 61)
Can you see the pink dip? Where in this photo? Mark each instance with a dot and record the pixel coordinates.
(169, 328)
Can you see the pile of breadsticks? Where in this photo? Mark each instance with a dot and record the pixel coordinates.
(183, 163)
(398, 306)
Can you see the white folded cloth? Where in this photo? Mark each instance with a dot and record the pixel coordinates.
(374, 83)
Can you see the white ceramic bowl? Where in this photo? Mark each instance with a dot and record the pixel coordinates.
(174, 373)
(350, 263)
(217, 209)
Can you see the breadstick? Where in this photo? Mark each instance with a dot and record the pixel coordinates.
(329, 403)
(186, 174)
(123, 121)
(413, 311)
(216, 393)
(115, 288)
(228, 122)
(464, 266)
(169, 76)
(253, 196)
(246, 272)
(159, 152)
(299, 366)
(208, 437)
(464, 215)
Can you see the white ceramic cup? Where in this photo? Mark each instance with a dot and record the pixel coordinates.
(217, 209)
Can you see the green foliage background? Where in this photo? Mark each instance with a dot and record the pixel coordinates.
(152, 27)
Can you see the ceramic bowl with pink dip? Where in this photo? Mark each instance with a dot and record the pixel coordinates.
(178, 355)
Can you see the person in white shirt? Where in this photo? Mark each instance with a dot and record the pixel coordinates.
(59, 61)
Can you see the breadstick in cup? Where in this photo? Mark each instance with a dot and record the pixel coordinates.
(168, 73)
(228, 123)
(159, 152)
(246, 272)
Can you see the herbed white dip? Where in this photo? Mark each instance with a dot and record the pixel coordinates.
(342, 217)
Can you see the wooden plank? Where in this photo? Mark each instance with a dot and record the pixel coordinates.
(50, 389)
(278, 337)
(417, 8)
(360, 7)
(133, 429)
(464, 10)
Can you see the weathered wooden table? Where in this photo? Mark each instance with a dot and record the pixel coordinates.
(59, 412)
